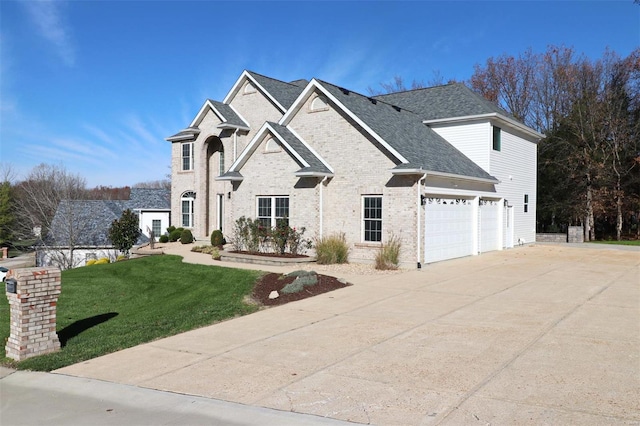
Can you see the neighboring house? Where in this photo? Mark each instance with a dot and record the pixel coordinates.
(80, 228)
(446, 171)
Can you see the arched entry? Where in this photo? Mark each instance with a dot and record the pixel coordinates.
(215, 167)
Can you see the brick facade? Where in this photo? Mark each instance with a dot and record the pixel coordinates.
(33, 313)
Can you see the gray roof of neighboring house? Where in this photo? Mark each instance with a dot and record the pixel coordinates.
(284, 93)
(89, 220)
(315, 164)
(404, 131)
(451, 100)
(230, 116)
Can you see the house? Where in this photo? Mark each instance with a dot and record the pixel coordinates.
(79, 229)
(446, 171)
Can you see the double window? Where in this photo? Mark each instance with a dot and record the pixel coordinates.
(372, 218)
(187, 156)
(272, 209)
(187, 201)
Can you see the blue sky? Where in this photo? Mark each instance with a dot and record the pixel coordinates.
(96, 86)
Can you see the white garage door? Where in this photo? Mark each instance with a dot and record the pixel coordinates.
(489, 230)
(448, 229)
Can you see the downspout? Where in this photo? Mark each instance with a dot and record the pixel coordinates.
(320, 206)
(235, 145)
(419, 202)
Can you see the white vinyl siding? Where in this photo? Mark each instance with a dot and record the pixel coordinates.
(473, 140)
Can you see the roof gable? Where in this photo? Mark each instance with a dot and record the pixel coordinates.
(228, 116)
(280, 93)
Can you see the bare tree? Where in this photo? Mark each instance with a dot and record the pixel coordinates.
(154, 184)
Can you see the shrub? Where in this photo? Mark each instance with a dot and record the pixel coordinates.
(90, 262)
(171, 229)
(186, 237)
(124, 232)
(297, 244)
(175, 235)
(102, 261)
(215, 253)
(164, 238)
(332, 249)
(303, 279)
(280, 236)
(389, 254)
(217, 239)
(293, 287)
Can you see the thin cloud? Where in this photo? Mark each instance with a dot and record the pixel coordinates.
(47, 17)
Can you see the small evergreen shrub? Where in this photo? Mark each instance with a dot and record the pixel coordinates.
(303, 279)
(164, 238)
(294, 287)
(171, 229)
(388, 256)
(186, 237)
(307, 280)
(175, 235)
(102, 261)
(217, 239)
(90, 262)
(332, 249)
(215, 253)
(300, 273)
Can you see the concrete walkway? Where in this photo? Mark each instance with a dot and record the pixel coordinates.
(541, 334)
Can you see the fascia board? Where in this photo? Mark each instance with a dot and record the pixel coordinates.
(181, 138)
(316, 84)
(297, 104)
(236, 88)
(461, 177)
(232, 126)
(494, 115)
(229, 178)
(313, 151)
(246, 153)
(289, 147)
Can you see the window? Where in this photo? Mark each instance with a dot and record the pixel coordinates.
(272, 209)
(156, 228)
(319, 103)
(526, 203)
(187, 156)
(221, 160)
(372, 218)
(187, 209)
(497, 138)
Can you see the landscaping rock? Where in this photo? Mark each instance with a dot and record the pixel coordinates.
(274, 295)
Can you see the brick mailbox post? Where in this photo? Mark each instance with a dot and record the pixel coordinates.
(33, 296)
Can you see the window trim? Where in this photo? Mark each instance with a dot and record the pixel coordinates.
(273, 218)
(496, 135)
(249, 88)
(189, 158)
(322, 100)
(189, 197)
(363, 223)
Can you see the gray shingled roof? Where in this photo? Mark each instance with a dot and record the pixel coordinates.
(89, 220)
(284, 93)
(229, 115)
(451, 100)
(191, 132)
(315, 164)
(404, 131)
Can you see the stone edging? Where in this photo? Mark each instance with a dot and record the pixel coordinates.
(264, 260)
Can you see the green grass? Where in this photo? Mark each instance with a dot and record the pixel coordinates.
(622, 243)
(105, 308)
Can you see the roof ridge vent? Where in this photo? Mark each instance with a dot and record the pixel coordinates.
(345, 91)
(397, 108)
(373, 101)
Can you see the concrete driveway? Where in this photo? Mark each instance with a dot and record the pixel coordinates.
(545, 334)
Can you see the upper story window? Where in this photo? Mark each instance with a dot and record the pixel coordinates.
(249, 88)
(187, 156)
(497, 138)
(272, 209)
(319, 103)
(526, 203)
(372, 218)
(221, 160)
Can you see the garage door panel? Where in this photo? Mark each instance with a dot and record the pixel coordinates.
(488, 226)
(448, 229)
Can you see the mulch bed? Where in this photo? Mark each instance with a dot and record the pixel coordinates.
(271, 282)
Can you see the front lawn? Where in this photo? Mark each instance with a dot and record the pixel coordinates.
(622, 243)
(105, 308)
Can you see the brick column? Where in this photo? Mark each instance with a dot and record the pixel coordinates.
(33, 312)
